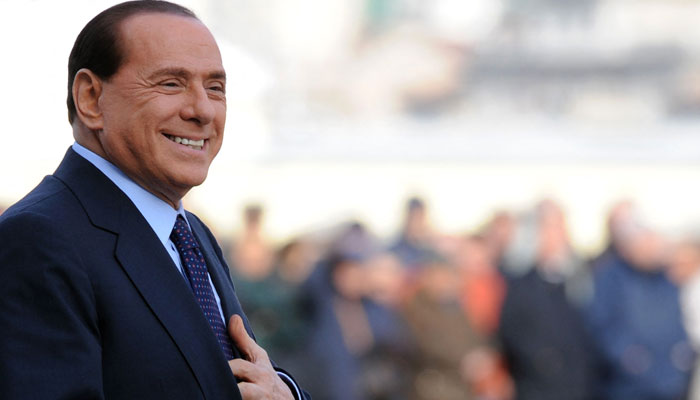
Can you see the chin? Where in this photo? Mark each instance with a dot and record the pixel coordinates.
(192, 181)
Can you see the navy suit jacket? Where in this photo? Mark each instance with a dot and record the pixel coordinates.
(91, 305)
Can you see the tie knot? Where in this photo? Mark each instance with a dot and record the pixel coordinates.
(181, 235)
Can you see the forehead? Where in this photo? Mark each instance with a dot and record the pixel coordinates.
(158, 39)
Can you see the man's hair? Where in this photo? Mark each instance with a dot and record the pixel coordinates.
(98, 46)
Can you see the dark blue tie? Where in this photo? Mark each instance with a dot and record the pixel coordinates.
(196, 270)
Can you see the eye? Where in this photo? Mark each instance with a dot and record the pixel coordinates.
(170, 84)
(217, 87)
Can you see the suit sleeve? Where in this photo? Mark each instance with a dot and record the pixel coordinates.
(49, 337)
(297, 391)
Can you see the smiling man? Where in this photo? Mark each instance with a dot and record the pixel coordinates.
(110, 289)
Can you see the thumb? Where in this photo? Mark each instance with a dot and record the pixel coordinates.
(243, 342)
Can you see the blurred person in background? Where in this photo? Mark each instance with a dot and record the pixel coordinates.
(251, 267)
(483, 286)
(387, 367)
(636, 321)
(498, 234)
(443, 333)
(621, 215)
(250, 253)
(358, 344)
(415, 244)
(481, 295)
(519, 254)
(295, 260)
(270, 288)
(541, 330)
(685, 271)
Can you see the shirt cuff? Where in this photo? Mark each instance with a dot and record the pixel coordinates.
(292, 385)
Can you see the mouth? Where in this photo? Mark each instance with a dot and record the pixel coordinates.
(192, 144)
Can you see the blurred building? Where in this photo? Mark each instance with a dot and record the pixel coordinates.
(339, 109)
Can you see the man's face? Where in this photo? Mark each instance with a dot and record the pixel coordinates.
(170, 88)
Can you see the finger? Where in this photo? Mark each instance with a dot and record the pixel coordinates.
(245, 370)
(256, 391)
(245, 344)
(249, 391)
(239, 335)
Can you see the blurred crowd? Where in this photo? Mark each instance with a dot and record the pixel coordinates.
(510, 311)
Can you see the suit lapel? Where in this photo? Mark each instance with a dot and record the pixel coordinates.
(168, 295)
(151, 270)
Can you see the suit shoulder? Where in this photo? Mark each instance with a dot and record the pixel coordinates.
(30, 230)
(39, 220)
(48, 199)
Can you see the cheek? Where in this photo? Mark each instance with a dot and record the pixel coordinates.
(219, 127)
(217, 140)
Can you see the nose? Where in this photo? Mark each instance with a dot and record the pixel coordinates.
(199, 108)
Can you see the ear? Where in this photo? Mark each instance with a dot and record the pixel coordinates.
(87, 89)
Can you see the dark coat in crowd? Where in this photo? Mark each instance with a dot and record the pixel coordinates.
(545, 343)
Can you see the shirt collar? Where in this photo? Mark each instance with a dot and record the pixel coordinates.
(159, 214)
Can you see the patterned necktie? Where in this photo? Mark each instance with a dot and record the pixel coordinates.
(196, 270)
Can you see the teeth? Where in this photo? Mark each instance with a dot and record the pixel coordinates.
(193, 144)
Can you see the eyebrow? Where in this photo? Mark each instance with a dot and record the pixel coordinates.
(185, 74)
